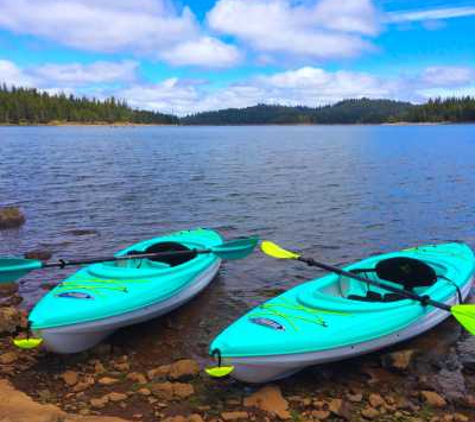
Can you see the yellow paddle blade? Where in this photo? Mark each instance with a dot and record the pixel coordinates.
(219, 371)
(27, 343)
(465, 314)
(275, 251)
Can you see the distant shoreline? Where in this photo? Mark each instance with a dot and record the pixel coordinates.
(128, 124)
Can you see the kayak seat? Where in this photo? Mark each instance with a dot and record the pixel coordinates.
(376, 297)
(408, 272)
(171, 260)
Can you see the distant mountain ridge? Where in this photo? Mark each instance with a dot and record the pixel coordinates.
(26, 106)
(362, 110)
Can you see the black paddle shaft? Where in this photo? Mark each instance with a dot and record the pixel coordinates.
(62, 263)
(425, 300)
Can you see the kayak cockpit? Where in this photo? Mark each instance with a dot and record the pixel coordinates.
(146, 267)
(341, 292)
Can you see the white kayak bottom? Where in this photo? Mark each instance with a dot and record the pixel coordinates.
(82, 336)
(260, 369)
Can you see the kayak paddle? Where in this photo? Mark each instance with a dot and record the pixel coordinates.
(464, 314)
(12, 269)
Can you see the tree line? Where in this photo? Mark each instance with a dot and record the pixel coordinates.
(30, 106)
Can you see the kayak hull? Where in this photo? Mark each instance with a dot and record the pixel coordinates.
(97, 300)
(336, 317)
(79, 337)
(270, 368)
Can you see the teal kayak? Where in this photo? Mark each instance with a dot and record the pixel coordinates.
(336, 317)
(100, 298)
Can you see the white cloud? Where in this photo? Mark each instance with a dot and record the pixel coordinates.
(147, 27)
(322, 29)
(84, 74)
(430, 14)
(205, 52)
(11, 74)
(305, 86)
(442, 76)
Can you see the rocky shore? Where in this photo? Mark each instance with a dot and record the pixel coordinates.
(112, 384)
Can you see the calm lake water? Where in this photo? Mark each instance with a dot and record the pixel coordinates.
(340, 193)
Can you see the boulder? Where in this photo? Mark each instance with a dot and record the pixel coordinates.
(16, 406)
(269, 399)
(172, 390)
(108, 381)
(183, 369)
(11, 217)
(8, 358)
(70, 378)
(399, 361)
(234, 416)
(433, 399)
(10, 319)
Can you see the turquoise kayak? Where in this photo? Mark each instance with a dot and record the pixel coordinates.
(100, 298)
(335, 317)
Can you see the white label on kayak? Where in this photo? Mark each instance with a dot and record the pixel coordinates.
(269, 323)
(75, 295)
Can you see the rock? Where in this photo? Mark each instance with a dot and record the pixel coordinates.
(160, 372)
(70, 378)
(355, 398)
(108, 381)
(375, 400)
(182, 390)
(340, 408)
(8, 358)
(11, 217)
(144, 391)
(99, 368)
(16, 406)
(195, 418)
(177, 418)
(171, 390)
(269, 399)
(433, 399)
(10, 319)
(137, 377)
(400, 360)
(458, 417)
(234, 416)
(84, 385)
(115, 397)
(183, 369)
(38, 254)
(122, 366)
(99, 403)
(369, 413)
(321, 415)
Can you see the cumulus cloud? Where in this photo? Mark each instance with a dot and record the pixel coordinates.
(11, 74)
(309, 86)
(54, 78)
(319, 29)
(443, 76)
(76, 74)
(205, 52)
(148, 27)
(304, 86)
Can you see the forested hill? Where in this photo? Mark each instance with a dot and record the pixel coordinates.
(348, 111)
(453, 110)
(30, 106)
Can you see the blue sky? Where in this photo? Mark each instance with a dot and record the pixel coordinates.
(188, 56)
